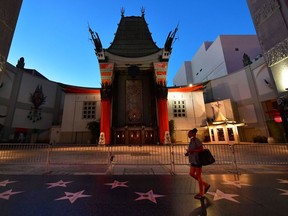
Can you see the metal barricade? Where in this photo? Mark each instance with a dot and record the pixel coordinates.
(143, 159)
(266, 154)
(24, 154)
(141, 155)
(222, 153)
(78, 154)
(167, 156)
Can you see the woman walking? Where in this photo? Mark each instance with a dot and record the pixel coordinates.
(195, 146)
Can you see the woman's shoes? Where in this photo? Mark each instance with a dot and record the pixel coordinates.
(206, 189)
(198, 196)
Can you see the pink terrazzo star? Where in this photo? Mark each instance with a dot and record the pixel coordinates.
(149, 196)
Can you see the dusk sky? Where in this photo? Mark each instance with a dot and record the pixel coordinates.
(53, 35)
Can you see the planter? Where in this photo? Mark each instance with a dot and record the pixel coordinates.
(270, 140)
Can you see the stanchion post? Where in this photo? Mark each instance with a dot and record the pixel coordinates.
(172, 159)
(234, 159)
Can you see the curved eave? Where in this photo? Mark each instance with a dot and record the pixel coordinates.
(228, 123)
(79, 90)
(132, 54)
(224, 124)
(122, 61)
(187, 88)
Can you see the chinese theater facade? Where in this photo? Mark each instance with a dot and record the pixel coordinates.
(133, 84)
(133, 105)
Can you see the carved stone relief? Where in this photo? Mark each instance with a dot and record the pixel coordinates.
(134, 101)
(277, 53)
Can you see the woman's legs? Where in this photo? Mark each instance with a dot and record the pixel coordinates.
(196, 173)
(193, 172)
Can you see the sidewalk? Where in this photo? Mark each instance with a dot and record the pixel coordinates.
(135, 193)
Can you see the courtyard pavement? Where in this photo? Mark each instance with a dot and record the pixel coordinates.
(28, 191)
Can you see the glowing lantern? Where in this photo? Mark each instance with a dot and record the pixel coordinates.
(278, 119)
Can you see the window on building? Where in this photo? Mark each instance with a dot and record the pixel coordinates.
(179, 108)
(212, 135)
(220, 133)
(231, 134)
(89, 110)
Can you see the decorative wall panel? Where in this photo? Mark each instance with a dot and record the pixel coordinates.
(134, 101)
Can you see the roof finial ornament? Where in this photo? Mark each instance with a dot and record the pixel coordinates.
(96, 39)
(170, 39)
(143, 11)
(122, 11)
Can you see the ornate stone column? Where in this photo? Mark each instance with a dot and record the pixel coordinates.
(105, 121)
(162, 106)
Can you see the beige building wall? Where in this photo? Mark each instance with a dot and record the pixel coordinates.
(195, 113)
(73, 128)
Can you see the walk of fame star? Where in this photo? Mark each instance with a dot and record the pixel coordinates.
(236, 183)
(6, 195)
(58, 184)
(116, 184)
(220, 195)
(282, 181)
(4, 183)
(72, 197)
(149, 196)
(285, 191)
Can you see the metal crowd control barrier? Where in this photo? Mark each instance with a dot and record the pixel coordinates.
(166, 155)
(141, 155)
(266, 154)
(24, 154)
(222, 153)
(75, 155)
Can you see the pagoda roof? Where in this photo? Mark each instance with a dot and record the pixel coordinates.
(133, 38)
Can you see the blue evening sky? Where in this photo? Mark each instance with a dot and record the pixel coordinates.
(53, 35)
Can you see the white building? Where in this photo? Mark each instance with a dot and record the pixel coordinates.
(250, 90)
(218, 58)
(30, 105)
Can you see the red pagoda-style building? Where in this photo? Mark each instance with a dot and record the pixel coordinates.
(133, 90)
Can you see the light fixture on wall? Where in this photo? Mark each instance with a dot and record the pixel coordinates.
(268, 83)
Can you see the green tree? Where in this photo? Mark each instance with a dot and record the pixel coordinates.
(246, 60)
(172, 130)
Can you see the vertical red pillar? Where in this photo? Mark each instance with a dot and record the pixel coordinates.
(162, 92)
(163, 119)
(106, 120)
